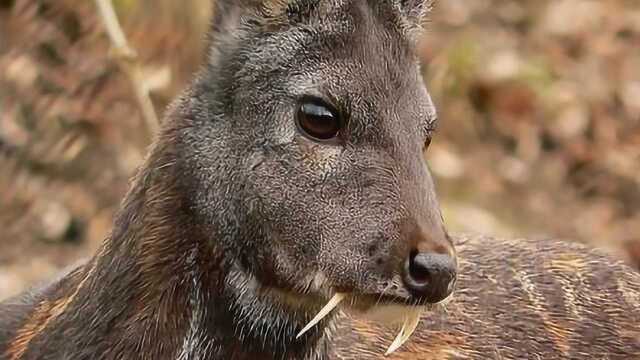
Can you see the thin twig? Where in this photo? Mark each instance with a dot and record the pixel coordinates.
(128, 60)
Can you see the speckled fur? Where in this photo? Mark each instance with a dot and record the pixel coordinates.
(520, 299)
(237, 229)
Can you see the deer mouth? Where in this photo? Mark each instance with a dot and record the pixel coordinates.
(381, 308)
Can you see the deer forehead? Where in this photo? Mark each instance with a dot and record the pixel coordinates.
(409, 15)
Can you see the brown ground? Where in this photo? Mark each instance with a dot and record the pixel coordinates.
(539, 101)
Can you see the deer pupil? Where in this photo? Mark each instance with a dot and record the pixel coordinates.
(318, 121)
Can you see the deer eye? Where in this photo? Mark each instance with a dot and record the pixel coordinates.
(318, 120)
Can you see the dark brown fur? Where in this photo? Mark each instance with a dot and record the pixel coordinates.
(523, 299)
(237, 229)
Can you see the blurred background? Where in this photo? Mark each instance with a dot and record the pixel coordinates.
(539, 102)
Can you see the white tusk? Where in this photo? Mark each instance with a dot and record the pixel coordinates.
(397, 342)
(410, 324)
(335, 300)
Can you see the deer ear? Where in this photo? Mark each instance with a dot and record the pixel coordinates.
(231, 17)
(226, 13)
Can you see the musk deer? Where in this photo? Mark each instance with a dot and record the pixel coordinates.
(290, 175)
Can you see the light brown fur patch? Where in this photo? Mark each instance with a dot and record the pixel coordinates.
(274, 8)
(44, 313)
(569, 263)
(629, 295)
(437, 346)
(423, 345)
(558, 334)
(41, 317)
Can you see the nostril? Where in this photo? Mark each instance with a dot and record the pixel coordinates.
(430, 276)
(418, 270)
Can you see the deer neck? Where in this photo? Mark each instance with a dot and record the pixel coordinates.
(168, 290)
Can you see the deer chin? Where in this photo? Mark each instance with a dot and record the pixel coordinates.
(389, 315)
(407, 316)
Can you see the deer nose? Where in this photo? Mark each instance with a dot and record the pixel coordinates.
(430, 276)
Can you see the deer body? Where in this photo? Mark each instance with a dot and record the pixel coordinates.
(522, 299)
(292, 170)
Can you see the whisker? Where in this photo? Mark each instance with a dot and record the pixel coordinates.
(382, 294)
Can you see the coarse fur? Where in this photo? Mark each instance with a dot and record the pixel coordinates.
(519, 299)
(237, 228)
